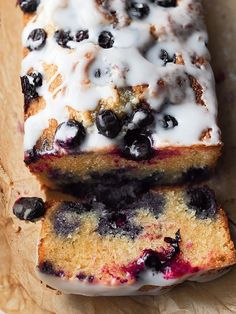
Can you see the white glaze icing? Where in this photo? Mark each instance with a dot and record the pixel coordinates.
(74, 286)
(125, 64)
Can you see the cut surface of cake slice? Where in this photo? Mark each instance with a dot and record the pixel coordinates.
(117, 88)
(156, 242)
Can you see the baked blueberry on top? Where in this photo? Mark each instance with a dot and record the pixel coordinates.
(81, 35)
(37, 39)
(106, 40)
(28, 6)
(138, 145)
(29, 84)
(169, 122)
(29, 208)
(108, 123)
(70, 134)
(63, 37)
(136, 9)
(166, 58)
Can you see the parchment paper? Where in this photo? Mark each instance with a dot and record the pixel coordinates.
(20, 290)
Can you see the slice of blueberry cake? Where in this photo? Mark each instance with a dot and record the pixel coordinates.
(146, 246)
(117, 88)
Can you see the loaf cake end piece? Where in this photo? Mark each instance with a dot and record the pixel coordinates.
(145, 247)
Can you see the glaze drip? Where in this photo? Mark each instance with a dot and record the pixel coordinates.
(154, 54)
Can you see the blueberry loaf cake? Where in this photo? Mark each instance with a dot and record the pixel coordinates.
(162, 238)
(116, 88)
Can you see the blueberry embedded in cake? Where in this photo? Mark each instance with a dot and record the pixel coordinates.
(124, 76)
(143, 247)
(67, 218)
(118, 223)
(165, 3)
(202, 200)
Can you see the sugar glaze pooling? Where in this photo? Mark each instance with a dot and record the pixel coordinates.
(132, 60)
(73, 286)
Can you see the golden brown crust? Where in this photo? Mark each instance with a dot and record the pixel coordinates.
(173, 160)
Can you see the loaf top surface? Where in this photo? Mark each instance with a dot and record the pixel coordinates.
(82, 57)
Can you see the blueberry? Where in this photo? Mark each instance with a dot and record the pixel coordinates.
(124, 190)
(137, 10)
(166, 57)
(31, 156)
(159, 260)
(196, 174)
(29, 84)
(91, 279)
(28, 6)
(108, 124)
(152, 201)
(117, 223)
(174, 243)
(70, 134)
(106, 40)
(29, 91)
(81, 276)
(138, 145)
(47, 268)
(63, 37)
(152, 260)
(142, 117)
(165, 3)
(36, 39)
(98, 73)
(202, 201)
(29, 208)
(66, 219)
(81, 35)
(37, 79)
(169, 122)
